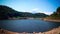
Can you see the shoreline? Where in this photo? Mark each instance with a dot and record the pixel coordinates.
(44, 19)
(51, 20)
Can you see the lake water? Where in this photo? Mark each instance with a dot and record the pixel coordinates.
(27, 25)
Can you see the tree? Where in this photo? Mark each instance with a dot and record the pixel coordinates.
(56, 15)
(58, 10)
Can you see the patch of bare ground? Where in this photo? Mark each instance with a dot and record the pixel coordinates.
(51, 19)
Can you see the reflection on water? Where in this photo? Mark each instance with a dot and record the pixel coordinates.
(28, 25)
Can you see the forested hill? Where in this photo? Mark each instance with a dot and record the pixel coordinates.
(7, 12)
(55, 15)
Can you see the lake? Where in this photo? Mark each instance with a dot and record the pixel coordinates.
(27, 25)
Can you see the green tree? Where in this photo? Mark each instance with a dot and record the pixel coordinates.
(58, 10)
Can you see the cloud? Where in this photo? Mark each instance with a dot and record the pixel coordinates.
(48, 13)
(37, 10)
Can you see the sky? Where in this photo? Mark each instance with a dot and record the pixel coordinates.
(33, 6)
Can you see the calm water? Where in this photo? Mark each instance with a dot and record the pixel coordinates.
(27, 25)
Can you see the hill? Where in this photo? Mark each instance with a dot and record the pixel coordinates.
(55, 17)
(7, 12)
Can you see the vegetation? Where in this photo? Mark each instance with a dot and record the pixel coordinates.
(7, 12)
(55, 15)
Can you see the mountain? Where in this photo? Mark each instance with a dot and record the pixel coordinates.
(7, 12)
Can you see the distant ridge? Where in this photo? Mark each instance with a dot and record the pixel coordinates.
(7, 12)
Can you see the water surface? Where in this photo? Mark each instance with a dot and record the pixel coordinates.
(27, 25)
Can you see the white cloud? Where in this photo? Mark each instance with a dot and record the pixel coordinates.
(37, 10)
(48, 13)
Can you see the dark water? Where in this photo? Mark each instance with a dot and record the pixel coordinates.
(28, 25)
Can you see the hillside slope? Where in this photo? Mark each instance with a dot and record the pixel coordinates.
(55, 17)
(7, 12)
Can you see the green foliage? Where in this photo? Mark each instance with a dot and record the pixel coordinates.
(56, 15)
(58, 10)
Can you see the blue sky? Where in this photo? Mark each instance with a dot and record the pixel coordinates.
(33, 6)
